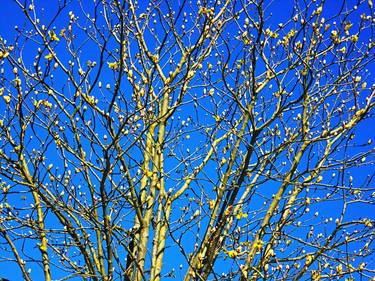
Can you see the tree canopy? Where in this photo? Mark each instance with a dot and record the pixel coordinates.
(189, 140)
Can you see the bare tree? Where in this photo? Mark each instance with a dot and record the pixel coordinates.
(188, 139)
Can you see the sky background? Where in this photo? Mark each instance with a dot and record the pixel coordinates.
(11, 16)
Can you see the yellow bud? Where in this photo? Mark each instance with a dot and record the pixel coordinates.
(6, 99)
(354, 38)
(232, 254)
(309, 259)
(49, 56)
(339, 269)
(319, 10)
(53, 36)
(112, 65)
(319, 179)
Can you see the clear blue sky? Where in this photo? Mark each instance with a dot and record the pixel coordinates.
(11, 16)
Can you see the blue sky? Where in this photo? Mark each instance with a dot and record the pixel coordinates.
(11, 16)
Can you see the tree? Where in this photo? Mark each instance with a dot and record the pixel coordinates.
(192, 140)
